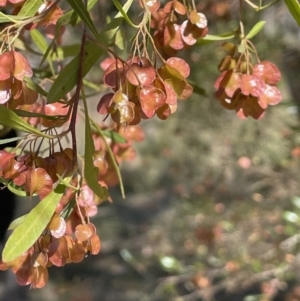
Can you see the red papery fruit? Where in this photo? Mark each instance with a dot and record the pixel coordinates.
(180, 65)
(94, 245)
(227, 102)
(38, 181)
(107, 62)
(7, 160)
(248, 106)
(230, 81)
(190, 32)
(4, 2)
(141, 73)
(270, 96)
(13, 68)
(39, 277)
(55, 109)
(75, 249)
(151, 98)
(60, 230)
(164, 112)
(85, 232)
(58, 251)
(13, 64)
(7, 65)
(132, 133)
(21, 66)
(54, 222)
(100, 162)
(251, 84)
(176, 77)
(114, 75)
(52, 16)
(268, 72)
(171, 94)
(86, 200)
(122, 110)
(104, 103)
(172, 36)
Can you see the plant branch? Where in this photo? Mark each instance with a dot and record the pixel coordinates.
(76, 96)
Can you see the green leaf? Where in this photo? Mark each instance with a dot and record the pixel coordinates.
(23, 113)
(221, 37)
(68, 78)
(115, 137)
(72, 17)
(95, 87)
(9, 18)
(83, 13)
(294, 8)
(35, 222)
(120, 40)
(11, 119)
(112, 27)
(242, 47)
(33, 86)
(8, 140)
(17, 190)
(41, 43)
(17, 222)
(66, 51)
(123, 13)
(110, 154)
(68, 18)
(255, 29)
(90, 170)
(67, 211)
(30, 8)
(197, 89)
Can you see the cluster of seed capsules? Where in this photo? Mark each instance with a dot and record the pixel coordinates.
(248, 89)
(141, 89)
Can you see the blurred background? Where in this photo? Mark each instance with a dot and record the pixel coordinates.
(212, 208)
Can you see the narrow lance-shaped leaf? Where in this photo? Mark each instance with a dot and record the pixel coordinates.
(123, 13)
(114, 136)
(112, 27)
(294, 8)
(82, 12)
(30, 8)
(67, 79)
(255, 29)
(197, 89)
(68, 18)
(10, 18)
(111, 156)
(26, 234)
(11, 119)
(17, 190)
(34, 86)
(17, 222)
(41, 43)
(72, 17)
(120, 40)
(66, 51)
(23, 113)
(221, 37)
(90, 170)
(8, 140)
